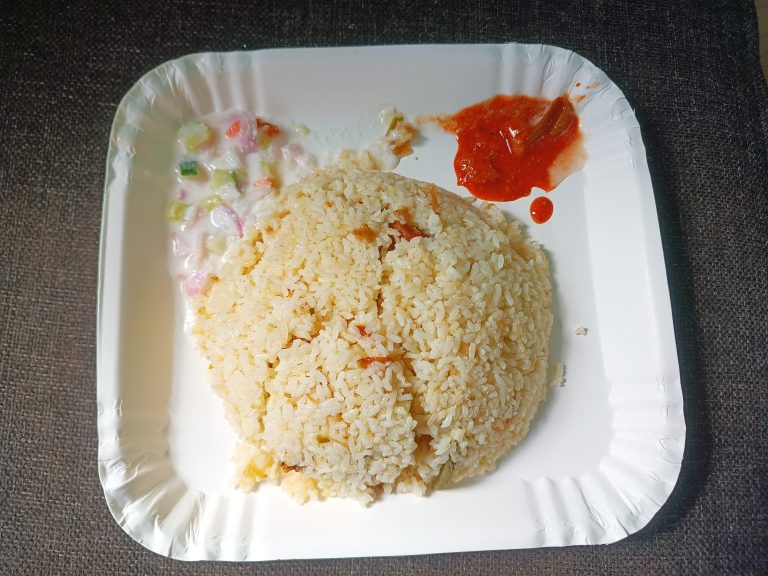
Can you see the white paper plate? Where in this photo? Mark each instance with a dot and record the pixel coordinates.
(603, 455)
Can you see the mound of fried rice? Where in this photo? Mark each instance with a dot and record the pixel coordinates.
(376, 334)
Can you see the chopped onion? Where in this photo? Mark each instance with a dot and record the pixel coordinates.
(291, 151)
(229, 192)
(180, 247)
(229, 159)
(191, 215)
(246, 139)
(195, 283)
(225, 219)
(198, 252)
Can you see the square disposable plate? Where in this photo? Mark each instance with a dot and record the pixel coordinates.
(605, 451)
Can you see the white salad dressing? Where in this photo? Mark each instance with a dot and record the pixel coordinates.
(229, 168)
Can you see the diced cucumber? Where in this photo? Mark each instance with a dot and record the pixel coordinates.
(221, 178)
(195, 136)
(264, 140)
(216, 243)
(210, 202)
(188, 168)
(267, 169)
(176, 211)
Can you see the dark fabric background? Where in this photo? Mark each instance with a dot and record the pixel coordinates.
(689, 68)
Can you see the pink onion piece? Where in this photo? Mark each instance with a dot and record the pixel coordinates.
(246, 138)
(180, 247)
(195, 283)
(182, 195)
(227, 220)
(191, 215)
(292, 151)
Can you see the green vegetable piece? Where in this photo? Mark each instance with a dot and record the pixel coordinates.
(445, 476)
(210, 202)
(188, 168)
(176, 211)
(216, 243)
(221, 178)
(195, 136)
(264, 141)
(267, 169)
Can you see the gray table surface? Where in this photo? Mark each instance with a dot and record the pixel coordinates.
(690, 70)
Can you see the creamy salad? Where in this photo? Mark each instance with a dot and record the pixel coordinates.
(228, 169)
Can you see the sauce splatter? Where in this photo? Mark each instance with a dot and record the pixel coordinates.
(365, 233)
(365, 362)
(541, 209)
(509, 144)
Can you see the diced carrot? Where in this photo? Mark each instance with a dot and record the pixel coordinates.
(363, 330)
(263, 182)
(365, 362)
(271, 129)
(407, 231)
(234, 129)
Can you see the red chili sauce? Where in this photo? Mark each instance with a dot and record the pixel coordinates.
(541, 209)
(508, 144)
